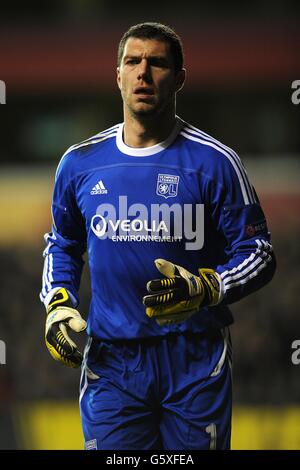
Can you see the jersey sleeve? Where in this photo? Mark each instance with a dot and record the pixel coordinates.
(66, 243)
(239, 218)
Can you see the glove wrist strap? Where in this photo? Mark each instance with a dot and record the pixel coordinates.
(60, 299)
(211, 286)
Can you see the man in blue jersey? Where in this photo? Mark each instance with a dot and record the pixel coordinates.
(174, 233)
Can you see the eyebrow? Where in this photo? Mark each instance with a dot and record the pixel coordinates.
(136, 56)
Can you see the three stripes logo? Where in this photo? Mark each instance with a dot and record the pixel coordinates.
(99, 188)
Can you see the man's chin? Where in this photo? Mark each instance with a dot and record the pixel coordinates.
(145, 110)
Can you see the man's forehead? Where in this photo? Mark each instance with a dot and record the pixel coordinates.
(140, 46)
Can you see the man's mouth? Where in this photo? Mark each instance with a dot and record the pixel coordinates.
(143, 91)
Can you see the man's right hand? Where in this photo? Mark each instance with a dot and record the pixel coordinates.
(61, 316)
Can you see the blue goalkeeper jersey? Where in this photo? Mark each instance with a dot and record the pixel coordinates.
(187, 200)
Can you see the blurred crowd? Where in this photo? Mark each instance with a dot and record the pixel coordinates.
(266, 324)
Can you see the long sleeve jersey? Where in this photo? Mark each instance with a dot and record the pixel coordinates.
(187, 200)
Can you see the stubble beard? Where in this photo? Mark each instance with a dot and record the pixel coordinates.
(150, 111)
(143, 109)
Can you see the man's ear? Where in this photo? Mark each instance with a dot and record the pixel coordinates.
(118, 78)
(180, 79)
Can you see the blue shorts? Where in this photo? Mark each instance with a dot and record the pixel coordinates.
(165, 393)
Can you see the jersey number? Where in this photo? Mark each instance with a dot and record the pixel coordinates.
(212, 431)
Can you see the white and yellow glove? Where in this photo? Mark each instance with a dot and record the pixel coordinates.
(180, 293)
(62, 317)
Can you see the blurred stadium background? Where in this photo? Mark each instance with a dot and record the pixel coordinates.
(58, 62)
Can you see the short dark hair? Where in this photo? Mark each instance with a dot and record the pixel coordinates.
(161, 32)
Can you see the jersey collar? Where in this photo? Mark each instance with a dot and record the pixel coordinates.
(146, 151)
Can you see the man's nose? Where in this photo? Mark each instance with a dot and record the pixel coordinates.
(144, 71)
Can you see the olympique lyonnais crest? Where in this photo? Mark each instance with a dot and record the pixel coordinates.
(167, 185)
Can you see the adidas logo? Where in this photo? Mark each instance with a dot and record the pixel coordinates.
(99, 189)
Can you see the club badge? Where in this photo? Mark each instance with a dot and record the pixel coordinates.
(167, 185)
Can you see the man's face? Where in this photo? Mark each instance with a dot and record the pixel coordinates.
(146, 76)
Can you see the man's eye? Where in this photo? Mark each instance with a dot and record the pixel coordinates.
(159, 63)
(132, 61)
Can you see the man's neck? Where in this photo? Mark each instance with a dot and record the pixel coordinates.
(147, 131)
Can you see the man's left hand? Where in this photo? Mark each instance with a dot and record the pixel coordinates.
(180, 293)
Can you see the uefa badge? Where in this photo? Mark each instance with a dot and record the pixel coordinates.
(167, 185)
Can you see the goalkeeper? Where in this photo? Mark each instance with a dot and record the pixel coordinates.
(174, 233)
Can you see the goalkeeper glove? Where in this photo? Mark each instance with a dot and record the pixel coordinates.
(62, 317)
(179, 295)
